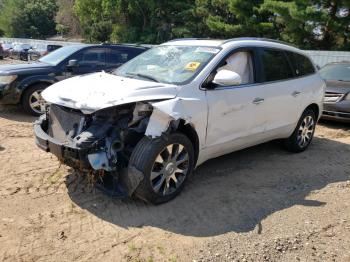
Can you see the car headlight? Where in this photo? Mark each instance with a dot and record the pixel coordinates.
(7, 79)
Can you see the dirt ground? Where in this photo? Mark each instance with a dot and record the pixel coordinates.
(259, 204)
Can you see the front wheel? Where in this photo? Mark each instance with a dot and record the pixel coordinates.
(166, 164)
(303, 133)
(32, 101)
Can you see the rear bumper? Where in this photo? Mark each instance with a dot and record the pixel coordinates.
(68, 154)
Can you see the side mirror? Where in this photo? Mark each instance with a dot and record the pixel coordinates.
(227, 78)
(73, 63)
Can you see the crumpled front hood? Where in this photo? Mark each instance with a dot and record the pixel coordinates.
(93, 92)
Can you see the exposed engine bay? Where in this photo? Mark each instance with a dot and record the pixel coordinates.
(106, 138)
(97, 144)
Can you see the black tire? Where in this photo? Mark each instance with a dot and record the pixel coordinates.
(23, 57)
(293, 143)
(144, 158)
(27, 97)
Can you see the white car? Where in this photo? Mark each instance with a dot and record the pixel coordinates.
(152, 121)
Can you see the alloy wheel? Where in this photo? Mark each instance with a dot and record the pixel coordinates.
(169, 169)
(36, 102)
(306, 131)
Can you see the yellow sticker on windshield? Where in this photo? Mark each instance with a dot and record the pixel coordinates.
(192, 66)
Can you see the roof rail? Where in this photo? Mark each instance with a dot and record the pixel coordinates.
(189, 38)
(259, 39)
(125, 44)
(237, 39)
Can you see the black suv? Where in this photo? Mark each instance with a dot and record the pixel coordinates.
(23, 83)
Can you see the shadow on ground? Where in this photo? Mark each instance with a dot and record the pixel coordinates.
(15, 113)
(231, 193)
(335, 125)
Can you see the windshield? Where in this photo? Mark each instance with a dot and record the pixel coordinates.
(168, 64)
(59, 55)
(339, 72)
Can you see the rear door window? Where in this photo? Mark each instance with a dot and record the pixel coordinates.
(275, 65)
(301, 64)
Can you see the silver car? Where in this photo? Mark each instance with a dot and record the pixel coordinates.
(337, 97)
(156, 118)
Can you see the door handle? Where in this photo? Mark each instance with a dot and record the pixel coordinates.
(296, 93)
(258, 100)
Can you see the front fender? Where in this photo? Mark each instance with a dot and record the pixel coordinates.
(28, 81)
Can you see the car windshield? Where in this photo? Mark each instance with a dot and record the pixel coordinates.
(59, 55)
(339, 72)
(168, 64)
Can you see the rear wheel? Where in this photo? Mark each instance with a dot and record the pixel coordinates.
(32, 101)
(166, 165)
(303, 133)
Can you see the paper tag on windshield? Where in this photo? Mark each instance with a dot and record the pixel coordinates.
(192, 66)
(207, 50)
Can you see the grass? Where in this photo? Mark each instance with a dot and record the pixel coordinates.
(161, 250)
(55, 176)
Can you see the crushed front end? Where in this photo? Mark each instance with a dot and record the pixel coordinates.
(99, 144)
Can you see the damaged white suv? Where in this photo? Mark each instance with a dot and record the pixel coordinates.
(152, 121)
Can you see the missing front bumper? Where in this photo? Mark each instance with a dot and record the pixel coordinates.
(68, 154)
(76, 158)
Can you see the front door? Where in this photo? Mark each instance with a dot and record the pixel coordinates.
(90, 60)
(237, 114)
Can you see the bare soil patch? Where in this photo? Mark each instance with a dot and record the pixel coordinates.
(259, 204)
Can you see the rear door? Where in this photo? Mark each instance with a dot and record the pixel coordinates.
(304, 71)
(282, 91)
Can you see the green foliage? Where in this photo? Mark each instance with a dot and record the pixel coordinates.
(66, 17)
(233, 18)
(28, 18)
(317, 24)
(311, 24)
(62, 29)
(147, 21)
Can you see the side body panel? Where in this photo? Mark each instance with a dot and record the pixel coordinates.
(275, 118)
(234, 119)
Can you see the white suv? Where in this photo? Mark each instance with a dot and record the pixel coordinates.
(147, 125)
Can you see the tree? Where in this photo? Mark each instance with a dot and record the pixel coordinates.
(147, 21)
(96, 18)
(66, 18)
(232, 18)
(321, 24)
(28, 18)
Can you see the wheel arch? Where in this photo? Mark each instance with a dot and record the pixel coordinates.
(26, 87)
(191, 133)
(314, 107)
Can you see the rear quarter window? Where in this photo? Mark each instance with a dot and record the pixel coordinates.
(275, 65)
(301, 64)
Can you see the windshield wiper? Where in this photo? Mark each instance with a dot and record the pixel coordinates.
(144, 76)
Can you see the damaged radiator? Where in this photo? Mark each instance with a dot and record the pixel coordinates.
(64, 124)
